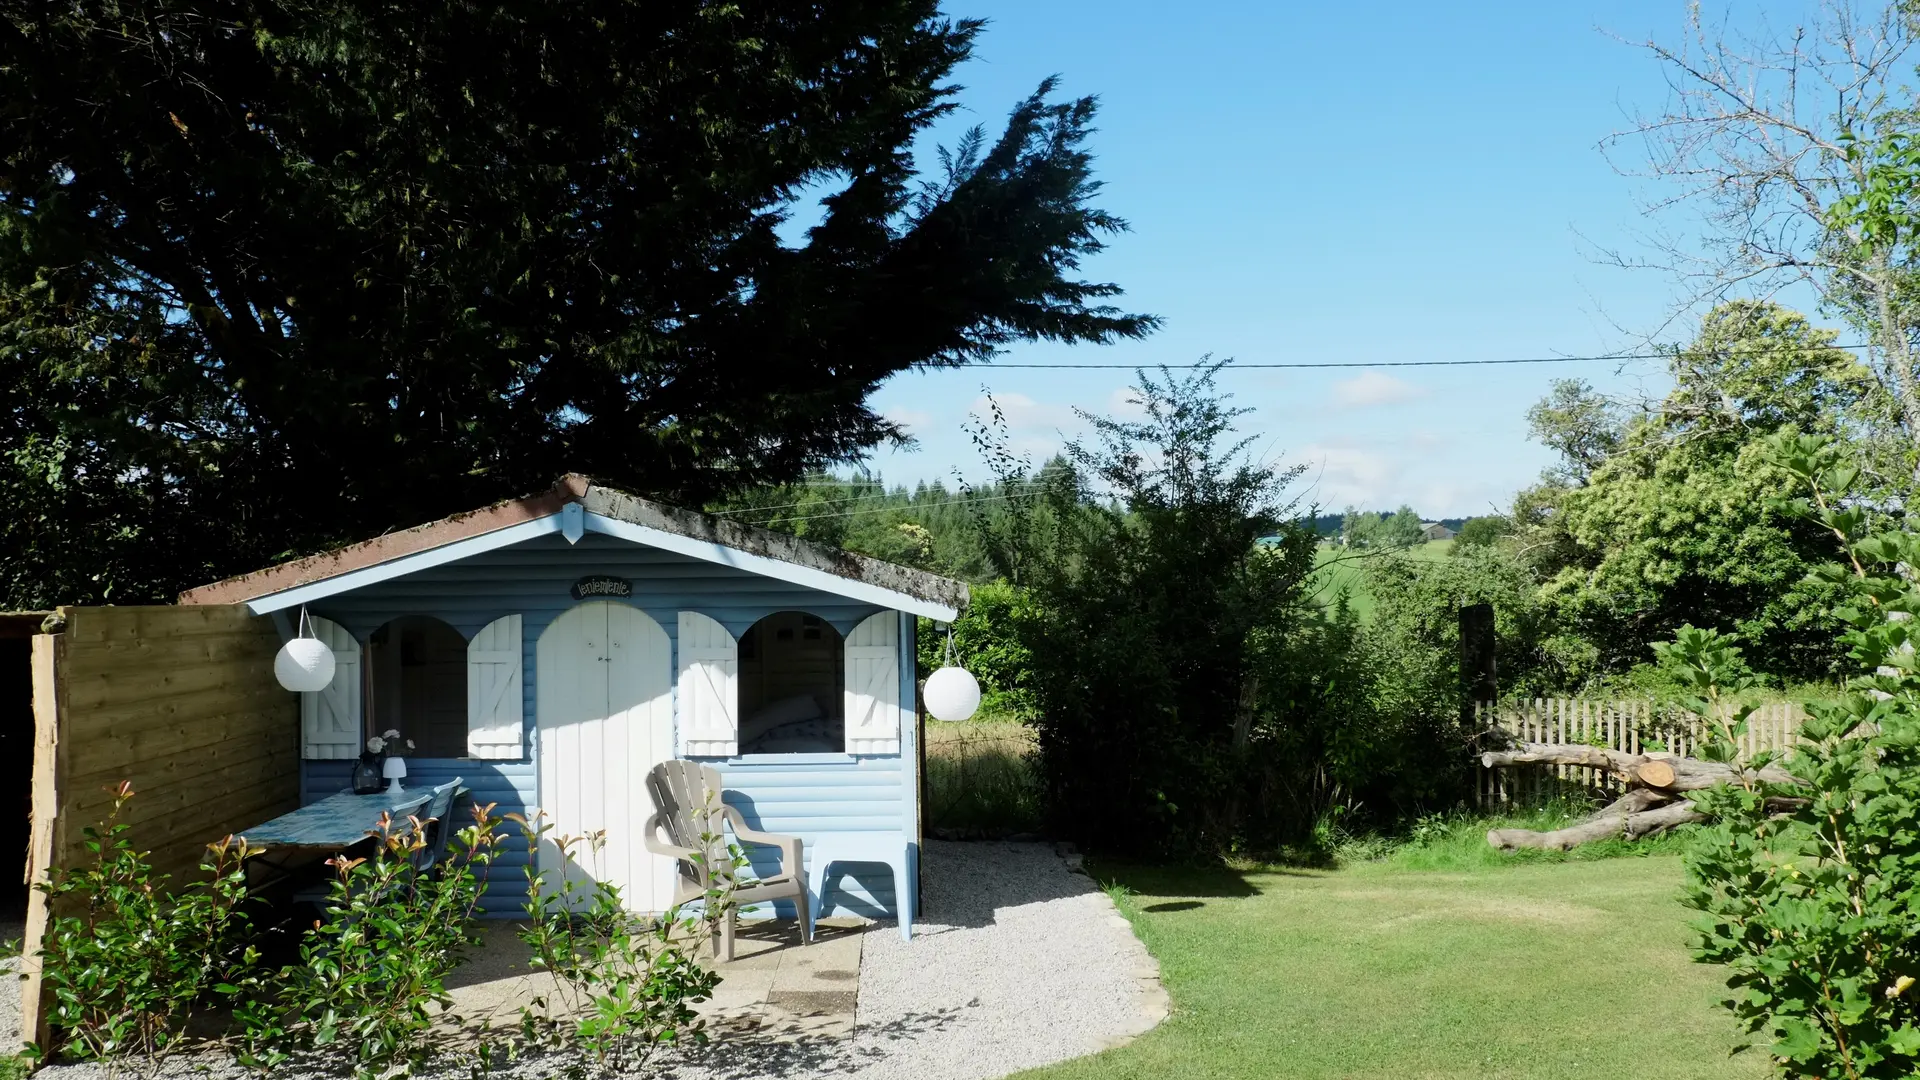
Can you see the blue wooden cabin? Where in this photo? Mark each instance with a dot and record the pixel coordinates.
(550, 650)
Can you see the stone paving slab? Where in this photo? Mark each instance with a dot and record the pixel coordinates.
(776, 987)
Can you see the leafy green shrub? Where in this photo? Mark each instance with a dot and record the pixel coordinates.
(371, 982)
(1189, 690)
(127, 975)
(623, 984)
(1147, 588)
(1809, 889)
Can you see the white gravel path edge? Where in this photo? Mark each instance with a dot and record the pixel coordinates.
(1017, 961)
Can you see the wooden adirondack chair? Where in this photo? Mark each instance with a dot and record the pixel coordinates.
(687, 797)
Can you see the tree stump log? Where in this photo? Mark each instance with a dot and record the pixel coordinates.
(1656, 801)
(1610, 820)
(1664, 771)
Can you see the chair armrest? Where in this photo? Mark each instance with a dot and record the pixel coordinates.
(790, 849)
(650, 836)
(753, 836)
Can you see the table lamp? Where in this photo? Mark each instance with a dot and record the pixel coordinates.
(394, 769)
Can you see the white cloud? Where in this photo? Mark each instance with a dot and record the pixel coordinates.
(1347, 474)
(1340, 475)
(1025, 415)
(1374, 388)
(1446, 498)
(1124, 404)
(1382, 476)
(914, 420)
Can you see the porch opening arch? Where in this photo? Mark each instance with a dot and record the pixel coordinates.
(415, 682)
(792, 686)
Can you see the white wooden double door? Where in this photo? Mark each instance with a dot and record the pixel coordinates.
(604, 692)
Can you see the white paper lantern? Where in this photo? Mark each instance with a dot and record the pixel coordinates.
(952, 694)
(304, 664)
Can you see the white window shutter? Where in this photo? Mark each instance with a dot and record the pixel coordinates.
(873, 685)
(709, 697)
(494, 692)
(330, 716)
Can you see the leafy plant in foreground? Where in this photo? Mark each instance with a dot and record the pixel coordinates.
(623, 984)
(127, 973)
(1707, 669)
(1808, 890)
(371, 982)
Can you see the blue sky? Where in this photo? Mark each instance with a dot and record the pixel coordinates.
(1358, 182)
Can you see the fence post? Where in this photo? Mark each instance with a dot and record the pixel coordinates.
(1479, 675)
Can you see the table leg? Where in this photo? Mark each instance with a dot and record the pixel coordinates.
(902, 898)
(817, 893)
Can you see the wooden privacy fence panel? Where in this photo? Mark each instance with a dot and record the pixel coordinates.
(179, 701)
(1635, 727)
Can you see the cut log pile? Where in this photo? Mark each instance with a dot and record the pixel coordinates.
(1655, 799)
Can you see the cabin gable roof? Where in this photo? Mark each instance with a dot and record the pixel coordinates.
(574, 506)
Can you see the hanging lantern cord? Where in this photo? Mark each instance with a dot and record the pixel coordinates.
(949, 660)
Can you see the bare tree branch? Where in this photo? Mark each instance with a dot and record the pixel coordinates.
(1754, 141)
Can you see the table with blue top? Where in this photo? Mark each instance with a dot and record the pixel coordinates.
(332, 824)
(336, 821)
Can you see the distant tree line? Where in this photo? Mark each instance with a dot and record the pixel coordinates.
(1353, 521)
(930, 526)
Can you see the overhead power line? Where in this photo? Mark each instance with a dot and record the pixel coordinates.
(1389, 363)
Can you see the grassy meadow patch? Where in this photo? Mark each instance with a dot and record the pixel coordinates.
(980, 775)
(1342, 569)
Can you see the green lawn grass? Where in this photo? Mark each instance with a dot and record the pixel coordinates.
(1569, 969)
(1343, 569)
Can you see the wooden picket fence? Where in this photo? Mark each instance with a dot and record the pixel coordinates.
(1635, 727)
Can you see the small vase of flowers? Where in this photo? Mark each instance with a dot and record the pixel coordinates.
(381, 766)
(366, 774)
(393, 766)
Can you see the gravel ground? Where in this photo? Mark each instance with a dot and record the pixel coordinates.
(1016, 962)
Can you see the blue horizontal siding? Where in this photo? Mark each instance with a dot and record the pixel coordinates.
(813, 798)
(809, 795)
(508, 784)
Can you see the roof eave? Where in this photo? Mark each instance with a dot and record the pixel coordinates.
(392, 546)
(616, 513)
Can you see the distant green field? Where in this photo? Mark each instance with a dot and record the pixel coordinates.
(1343, 569)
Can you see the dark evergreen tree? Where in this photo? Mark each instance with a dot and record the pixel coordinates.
(280, 273)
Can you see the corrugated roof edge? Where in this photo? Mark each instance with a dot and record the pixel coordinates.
(596, 499)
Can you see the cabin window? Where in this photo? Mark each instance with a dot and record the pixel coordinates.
(416, 683)
(792, 676)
